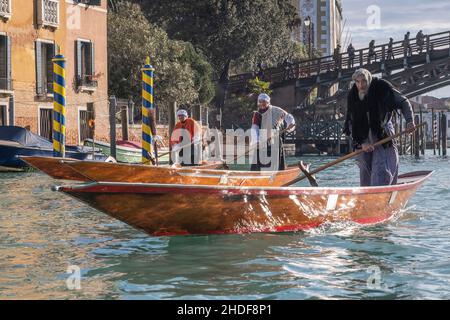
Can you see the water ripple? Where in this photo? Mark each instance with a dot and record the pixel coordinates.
(42, 233)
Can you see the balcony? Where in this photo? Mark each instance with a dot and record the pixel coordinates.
(86, 83)
(45, 92)
(5, 9)
(48, 13)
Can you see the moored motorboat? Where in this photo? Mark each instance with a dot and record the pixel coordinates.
(206, 174)
(174, 209)
(126, 151)
(17, 141)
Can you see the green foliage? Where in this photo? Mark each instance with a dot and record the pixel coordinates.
(239, 111)
(202, 73)
(181, 73)
(244, 32)
(257, 86)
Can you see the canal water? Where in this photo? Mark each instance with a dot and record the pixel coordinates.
(47, 239)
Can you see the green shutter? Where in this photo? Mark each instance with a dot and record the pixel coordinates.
(8, 64)
(92, 59)
(78, 50)
(39, 84)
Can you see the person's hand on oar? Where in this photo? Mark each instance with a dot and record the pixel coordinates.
(367, 147)
(410, 127)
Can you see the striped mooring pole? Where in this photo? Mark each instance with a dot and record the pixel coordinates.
(59, 106)
(147, 112)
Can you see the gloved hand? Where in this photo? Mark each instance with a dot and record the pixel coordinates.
(176, 147)
(291, 128)
(410, 127)
(367, 147)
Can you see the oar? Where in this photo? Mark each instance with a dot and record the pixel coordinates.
(351, 155)
(156, 153)
(305, 169)
(246, 153)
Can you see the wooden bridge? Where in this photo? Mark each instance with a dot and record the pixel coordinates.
(414, 70)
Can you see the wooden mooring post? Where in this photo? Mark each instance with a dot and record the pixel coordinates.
(444, 133)
(112, 125)
(439, 133)
(417, 139)
(124, 122)
(433, 130)
(422, 132)
(172, 117)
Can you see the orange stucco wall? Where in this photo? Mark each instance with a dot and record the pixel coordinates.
(76, 22)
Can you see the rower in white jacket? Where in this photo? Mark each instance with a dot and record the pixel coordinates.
(266, 135)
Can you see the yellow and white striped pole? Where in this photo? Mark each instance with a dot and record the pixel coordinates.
(59, 106)
(147, 113)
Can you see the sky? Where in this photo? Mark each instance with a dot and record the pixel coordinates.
(380, 19)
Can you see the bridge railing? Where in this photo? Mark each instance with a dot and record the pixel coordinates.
(343, 61)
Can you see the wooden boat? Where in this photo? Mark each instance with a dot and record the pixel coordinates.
(126, 151)
(121, 172)
(17, 141)
(173, 209)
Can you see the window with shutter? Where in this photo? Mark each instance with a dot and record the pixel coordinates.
(9, 86)
(3, 63)
(85, 65)
(3, 116)
(50, 52)
(45, 52)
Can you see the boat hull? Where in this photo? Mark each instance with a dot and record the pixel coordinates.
(11, 155)
(120, 172)
(159, 209)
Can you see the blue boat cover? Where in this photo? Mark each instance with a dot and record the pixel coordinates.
(24, 137)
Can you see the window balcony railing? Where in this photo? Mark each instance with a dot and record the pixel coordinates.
(5, 9)
(87, 82)
(48, 13)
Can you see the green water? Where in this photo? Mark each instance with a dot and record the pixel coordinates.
(43, 233)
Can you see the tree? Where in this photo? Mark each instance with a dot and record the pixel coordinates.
(181, 73)
(229, 32)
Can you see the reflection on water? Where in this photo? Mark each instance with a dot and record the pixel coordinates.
(42, 233)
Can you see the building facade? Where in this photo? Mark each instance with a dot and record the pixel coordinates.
(325, 28)
(31, 33)
(427, 105)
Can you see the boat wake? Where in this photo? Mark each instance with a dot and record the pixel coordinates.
(346, 228)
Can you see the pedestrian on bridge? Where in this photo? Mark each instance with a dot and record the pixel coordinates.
(372, 51)
(390, 50)
(266, 138)
(371, 104)
(420, 41)
(407, 45)
(351, 55)
(337, 57)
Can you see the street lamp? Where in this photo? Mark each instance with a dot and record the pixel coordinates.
(308, 25)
